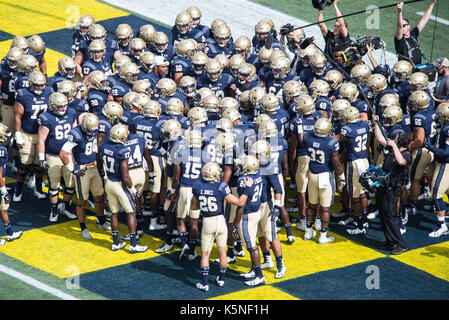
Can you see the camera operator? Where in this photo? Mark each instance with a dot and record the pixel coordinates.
(396, 162)
(290, 41)
(338, 36)
(441, 93)
(406, 41)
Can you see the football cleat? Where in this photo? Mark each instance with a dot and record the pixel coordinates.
(118, 246)
(268, 264)
(104, 226)
(255, 282)
(137, 248)
(230, 260)
(410, 209)
(301, 225)
(86, 234)
(31, 182)
(15, 235)
(309, 234)
(325, 239)
(442, 230)
(39, 195)
(128, 237)
(166, 247)
(156, 226)
(53, 215)
(280, 273)
(2, 242)
(240, 253)
(356, 231)
(346, 221)
(220, 282)
(200, 286)
(372, 215)
(107, 213)
(290, 239)
(317, 224)
(403, 230)
(184, 252)
(249, 275)
(62, 210)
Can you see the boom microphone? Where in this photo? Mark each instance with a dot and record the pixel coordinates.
(306, 42)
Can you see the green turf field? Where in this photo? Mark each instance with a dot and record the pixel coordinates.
(304, 10)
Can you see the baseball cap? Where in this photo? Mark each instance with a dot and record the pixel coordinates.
(159, 61)
(441, 62)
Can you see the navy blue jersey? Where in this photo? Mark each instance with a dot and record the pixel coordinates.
(163, 101)
(257, 44)
(90, 65)
(120, 89)
(172, 148)
(180, 65)
(56, 80)
(361, 105)
(406, 124)
(76, 41)
(320, 150)
(96, 100)
(324, 104)
(151, 130)
(3, 159)
(212, 49)
(252, 58)
(211, 197)
(59, 128)
(114, 79)
(113, 154)
(307, 76)
(22, 81)
(275, 85)
(85, 150)
(152, 78)
(104, 126)
(269, 182)
(212, 119)
(219, 87)
(393, 131)
(305, 125)
(38, 56)
(79, 106)
(205, 30)
(33, 106)
(281, 118)
(254, 83)
(129, 117)
(254, 200)
(136, 144)
(443, 134)
(168, 54)
(191, 161)
(426, 120)
(278, 149)
(8, 78)
(263, 73)
(245, 136)
(357, 135)
(111, 48)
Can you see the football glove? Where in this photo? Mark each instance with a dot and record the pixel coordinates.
(426, 143)
(77, 171)
(151, 178)
(235, 232)
(44, 164)
(6, 197)
(275, 213)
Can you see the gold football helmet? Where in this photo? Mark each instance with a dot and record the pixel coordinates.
(200, 95)
(348, 91)
(418, 81)
(37, 82)
(334, 78)
(442, 113)
(225, 125)
(338, 107)
(97, 32)
(58, 104)
(265, 54)
(112, 111)
(146, 61)
(195, 13)
(137, 47)
(183, 22)
(146, 33)
(129, 73)
(160, 41)
(194, 139)
(419, 100)
(5, 134)
(97, 50)
(223, 60)
(12, 57)
(360, 73)
(322, 127)
(152, 109)
(143, 86)
(307, 53)
(402, 70)
(119, 133)
(351, 115)
(97, 80)
(171, 130)
(377, 83)
(270, 103)
(389, 99)
(231, 114)
(139, 101)
(211, 172)
(120, 61)
(187, 84)
(123, 34)
(186, 48)
(199, 61)
(280, 67)
(128, 99)
(36, 43)
(263, 27)
(26, 63)
(292, 89)
(250, 165)
(222, 34)
(244, 101)
(256, 94)
(305, 105)
(165, 87)
(67, 87)
(319, 88)
(267, 129)
(84, 22)
(318, 62)
(261, 118)
(261, 150)
(228, 103)
(242, 45)
(196, 116)
(224, 142)
(235, 62)
(392, 115)
(174, 107)
(246, 73)
(210, 103)
(276, 54)
(20, 42)
(213, 69)
(89, 124)
(66, 67)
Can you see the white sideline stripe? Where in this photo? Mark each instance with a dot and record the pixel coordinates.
(35, 283)
(432, 17)
(241, 16)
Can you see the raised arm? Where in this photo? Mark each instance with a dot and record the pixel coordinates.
(426, 16)
(399, 32)
(340, 21)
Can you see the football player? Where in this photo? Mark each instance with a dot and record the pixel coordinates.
(82, 144)
(304, 56)
(26, 64)
(188, 163)
(161, 47)
(29, 104)
(319, 91)
(54, 127)
(128, 74)
(319, 67)
(235, 62)
(208, 197)
(215, 79)
(137, 47)
(355, 135)
(66, 71)
(166, 89)
(210, 104)
(187, 85)
(99, 91)
(402, 70)
(420, 81)
(199, 60)
(146, 64)
(183, 29)
(181, 62)
(360, 73)
(123, 35)
(349, 92)
(73, 95)
(121, 191)
(97, 60)
(195, 13)
(37, 49)
(5, 134)
(242, 46)
(245, 81)
(220, 42)
(271, 106)
(439, 181)
(110, 115)
(378, 87)
(146, 33)
(323, 153)
(290, 91)
(264, 28)
(270, 209)
(82, 27)
(174, 109)
(247, 218)
(278, 75)
(335, 79)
